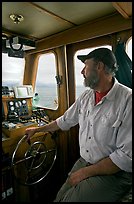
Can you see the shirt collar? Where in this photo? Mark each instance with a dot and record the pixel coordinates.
(111, 94)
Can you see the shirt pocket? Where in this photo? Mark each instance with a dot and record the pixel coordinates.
(109, 127)
(111, 122)
(107, 121)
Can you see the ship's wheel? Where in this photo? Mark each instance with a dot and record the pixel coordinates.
(32, 161)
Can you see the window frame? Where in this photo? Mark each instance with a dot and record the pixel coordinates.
(56, 73)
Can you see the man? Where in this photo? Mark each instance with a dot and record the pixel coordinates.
(104, 171)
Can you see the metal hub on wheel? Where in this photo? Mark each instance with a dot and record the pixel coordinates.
(32, 162)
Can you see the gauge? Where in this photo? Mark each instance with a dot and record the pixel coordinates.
(16, 104)
(12, 108)
(11, 103)
(24, 101)
(19, 103)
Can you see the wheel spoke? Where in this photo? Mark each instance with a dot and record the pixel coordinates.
(22, 160)
(47, 151)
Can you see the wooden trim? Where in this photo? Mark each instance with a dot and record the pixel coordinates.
(30, 69)
(63, 89)
(90, 30)
(13, 34)
(124, 8)
(70, 73)
(93, 42)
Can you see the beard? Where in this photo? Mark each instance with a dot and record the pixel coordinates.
(92, 81)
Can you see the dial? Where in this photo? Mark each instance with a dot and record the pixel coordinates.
(12, 108)
(16, 104)
(19, 103)
(24, 101)
(11, 103)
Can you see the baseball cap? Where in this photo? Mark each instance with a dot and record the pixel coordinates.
(104, 55)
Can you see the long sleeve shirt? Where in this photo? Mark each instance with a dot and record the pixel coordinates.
(105, 129)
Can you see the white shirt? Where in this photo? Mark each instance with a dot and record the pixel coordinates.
(105, 129)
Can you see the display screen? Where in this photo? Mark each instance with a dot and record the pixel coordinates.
(25, 91)
(22, 92)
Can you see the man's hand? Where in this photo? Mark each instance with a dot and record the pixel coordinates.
(102, 167)
(30, 132)
(77, 176)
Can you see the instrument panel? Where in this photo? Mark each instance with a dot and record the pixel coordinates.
(17, 107)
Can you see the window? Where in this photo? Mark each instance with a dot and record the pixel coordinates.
(46, 86)
(129, 47)
(79, 66)
(12, 70)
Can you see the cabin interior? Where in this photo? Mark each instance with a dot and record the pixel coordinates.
(32, 31)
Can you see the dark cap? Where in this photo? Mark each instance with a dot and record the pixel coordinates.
(104, 55)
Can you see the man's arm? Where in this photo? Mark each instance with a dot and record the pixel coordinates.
(103, 167)
(46, 128)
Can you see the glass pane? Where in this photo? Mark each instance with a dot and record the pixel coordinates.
(80, 88)
(46, 86)
(12, 70)
(129, 47)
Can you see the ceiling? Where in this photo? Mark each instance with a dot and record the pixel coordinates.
(44, 19)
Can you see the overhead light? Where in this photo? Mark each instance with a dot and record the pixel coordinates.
(16, 18)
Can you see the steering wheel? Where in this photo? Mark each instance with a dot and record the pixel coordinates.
(33, 160)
